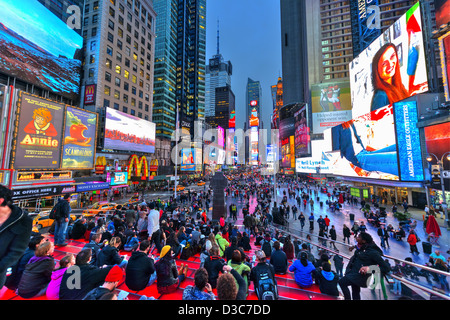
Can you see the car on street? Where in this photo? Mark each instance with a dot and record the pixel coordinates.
(41, 220)
(99, 208)
(201, 183)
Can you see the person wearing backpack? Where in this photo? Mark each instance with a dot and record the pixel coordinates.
(62, 212)
(263, 277)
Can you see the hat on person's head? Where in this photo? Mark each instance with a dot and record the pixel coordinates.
(164, 251)
(114, 275)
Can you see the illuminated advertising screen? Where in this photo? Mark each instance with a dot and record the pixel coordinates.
(119, 178)
(39, 133)
(442, 11)
(331, 105)
(128, 133)
(392, 68)
(232, 121)
(319, 162)
(444, 48)
(364, 31)
(301, 136)
(366, 146)
(437, 142)
(254, 120)
(355, 192)
(408, 141)
(188, 158)
(286, 153)
(221, 136)
(39, 48)
(79, 139)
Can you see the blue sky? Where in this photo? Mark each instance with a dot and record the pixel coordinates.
(33, 21)
(250, 37)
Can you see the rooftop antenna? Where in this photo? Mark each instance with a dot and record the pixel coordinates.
(218, 37)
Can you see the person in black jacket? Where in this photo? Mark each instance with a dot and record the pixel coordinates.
(140, 271)
(15, 232)
(78, 280)
(79, 229)
(112, 280)
(38, 272)
(278, 259)
(168, 277)
(263, 269)
(228, 253)
(245, 242)
(62, 220)
(327, 280)
(95, 246)
(12, 281)
(109, 255)
(214, 265)
(333, 237)
(357, 272)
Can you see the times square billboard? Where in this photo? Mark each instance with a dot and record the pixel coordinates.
(39, 48)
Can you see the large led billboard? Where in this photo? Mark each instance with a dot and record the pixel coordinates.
(437, 142)
(79, 139)
(442, 11)
(39, 132)
(188, 159)
(128, 133)
(408, 141)
(301, 135)
(392, 68)
(331, 105)
(444, 48)
(366, 146)
(39, 48)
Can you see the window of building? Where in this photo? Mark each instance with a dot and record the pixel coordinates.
(126, 74)
(125, 109)
(95, 18)
(118, 82)
(116, 106)
(94, 32)
(117, 94)
(120, 32)
(119, 44)
(119, 57)
(133, 102)
(109, 50)
(132, 112)
(121, 21)
(108, 76)
(126, 86)
(127, 62)
(95, 6)
(128, 39)
(118, 69)
(121, 8)
(86, 8)
(110, 37)
(91, 72)
(112, 12)
(92, 58)
(125, 98)
(108, 63)
(111, 24)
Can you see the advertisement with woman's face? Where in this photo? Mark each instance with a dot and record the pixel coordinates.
(392, 68)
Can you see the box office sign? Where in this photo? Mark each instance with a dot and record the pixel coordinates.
(41, 176)
(38, 135)
(21, 194)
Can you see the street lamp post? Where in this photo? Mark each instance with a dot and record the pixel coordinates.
(176, 154)
(441, 174)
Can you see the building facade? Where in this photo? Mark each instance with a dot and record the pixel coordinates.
(119, 58)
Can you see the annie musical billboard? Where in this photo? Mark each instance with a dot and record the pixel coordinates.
(39, 130)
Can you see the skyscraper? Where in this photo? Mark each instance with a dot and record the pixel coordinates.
(218, 74)
(225, 105)
(119, 58)
(164, 98)
(253, 100)
(190, 65)
(277, 99)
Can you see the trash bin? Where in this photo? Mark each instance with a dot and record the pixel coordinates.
(352, 216)
(426, 246)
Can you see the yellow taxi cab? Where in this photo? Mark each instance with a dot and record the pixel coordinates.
(134, 198)
(179, 188)
(41, 220)
(99, 208)
(201, 183)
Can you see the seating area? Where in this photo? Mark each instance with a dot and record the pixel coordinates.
(287, 287)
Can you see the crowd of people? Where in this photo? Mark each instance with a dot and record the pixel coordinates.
(161, 233)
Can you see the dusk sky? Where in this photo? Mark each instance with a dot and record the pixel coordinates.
(250, 37)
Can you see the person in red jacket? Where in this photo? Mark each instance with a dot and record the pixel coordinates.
(412, 240)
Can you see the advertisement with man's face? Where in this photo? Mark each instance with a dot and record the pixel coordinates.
(330, 104)
(366, 146)
(79, 139)
(39, 133)
(392, 68)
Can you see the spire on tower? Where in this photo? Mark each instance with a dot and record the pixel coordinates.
(218, 37)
